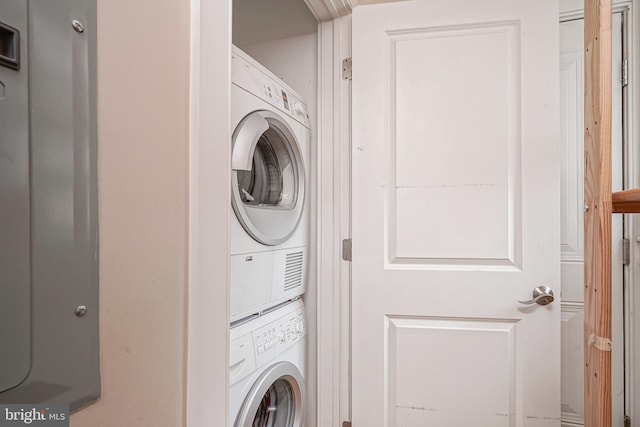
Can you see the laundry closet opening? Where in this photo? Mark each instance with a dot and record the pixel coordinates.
(274, 97)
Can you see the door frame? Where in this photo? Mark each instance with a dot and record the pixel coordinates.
(207, 348)
(206, 389)
(631, 107)
(334, 223)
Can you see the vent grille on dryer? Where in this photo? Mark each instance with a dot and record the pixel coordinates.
(293, 271)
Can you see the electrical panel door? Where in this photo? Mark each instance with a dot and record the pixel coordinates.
(49, 342)
(15, 284)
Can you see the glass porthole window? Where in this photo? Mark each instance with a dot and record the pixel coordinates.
(276, 399)
(272, 180)
(277, 407)
(268, 177)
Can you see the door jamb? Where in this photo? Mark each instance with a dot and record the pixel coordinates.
(205, 393)
(334, 223)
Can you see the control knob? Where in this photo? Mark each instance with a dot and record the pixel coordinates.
(298, 109)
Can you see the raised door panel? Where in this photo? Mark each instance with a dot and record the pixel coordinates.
(454, 147)
(572, 363)
(461, 356)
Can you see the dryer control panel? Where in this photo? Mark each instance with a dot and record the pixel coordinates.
(284, 100)
(251, 76)
(276, 95)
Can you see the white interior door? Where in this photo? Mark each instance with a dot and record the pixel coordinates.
(455, 213)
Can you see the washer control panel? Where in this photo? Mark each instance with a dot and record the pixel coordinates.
(278, 335)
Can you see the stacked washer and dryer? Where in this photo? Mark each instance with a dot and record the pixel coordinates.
(269, 248)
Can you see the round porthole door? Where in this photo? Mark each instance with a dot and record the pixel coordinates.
(268, 177)
(277, 399)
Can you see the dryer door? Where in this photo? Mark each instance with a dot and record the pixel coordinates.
(277, 399)
(268, 178)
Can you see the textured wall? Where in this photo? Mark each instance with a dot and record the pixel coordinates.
(143, 96)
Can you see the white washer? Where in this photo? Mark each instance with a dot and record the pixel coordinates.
(270, 164)
(266, 369)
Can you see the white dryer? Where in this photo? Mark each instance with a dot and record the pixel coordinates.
(266, 369)
(269, 166)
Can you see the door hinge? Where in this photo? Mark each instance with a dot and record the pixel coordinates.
(625, 72)
(627, 421)
(348, 424)
(346, 250)
(346, 69)
(626, 251)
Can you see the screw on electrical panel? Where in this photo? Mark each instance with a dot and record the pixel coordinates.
(77, 25)
(81, 310)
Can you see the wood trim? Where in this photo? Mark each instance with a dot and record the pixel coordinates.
(327, 303)
(597, 224)
(333, 223)
(343, 144)
(207, 347)
(627, 201)
(326, 10)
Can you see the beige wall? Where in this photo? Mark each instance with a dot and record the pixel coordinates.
(143, 96)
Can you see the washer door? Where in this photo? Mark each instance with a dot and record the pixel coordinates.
(277, 399)
(267, 177)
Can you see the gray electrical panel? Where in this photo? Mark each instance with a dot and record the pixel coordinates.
(15, 291)
(48, 203)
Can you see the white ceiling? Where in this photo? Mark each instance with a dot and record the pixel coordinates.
(257, 21)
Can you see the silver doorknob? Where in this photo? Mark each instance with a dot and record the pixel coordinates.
(542, 295)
